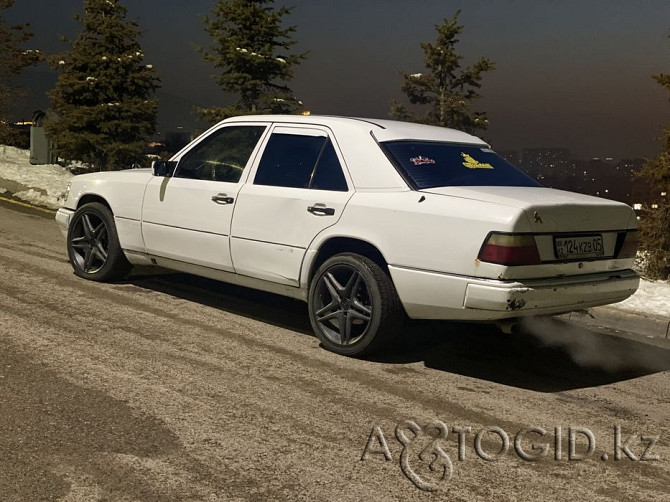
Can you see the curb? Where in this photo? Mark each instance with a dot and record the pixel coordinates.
(10, 200)
(640, 324)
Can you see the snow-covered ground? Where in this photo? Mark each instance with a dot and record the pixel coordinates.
(41, 185)
(44, 184)
(651, 298)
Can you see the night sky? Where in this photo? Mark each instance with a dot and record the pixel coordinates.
(573, 74)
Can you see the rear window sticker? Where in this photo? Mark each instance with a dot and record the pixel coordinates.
(418, 161)
(471, 163)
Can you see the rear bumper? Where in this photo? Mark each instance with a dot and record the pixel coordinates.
(63, 216)
(431, 295)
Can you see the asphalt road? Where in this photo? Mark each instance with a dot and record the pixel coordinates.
(170, 387)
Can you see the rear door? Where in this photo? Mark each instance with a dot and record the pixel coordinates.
(187, 217)
(298, 188)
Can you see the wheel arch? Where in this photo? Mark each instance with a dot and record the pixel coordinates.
(93, 197)
(341, 244)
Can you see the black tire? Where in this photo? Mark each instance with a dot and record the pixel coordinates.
(354, 291)
(93, 245)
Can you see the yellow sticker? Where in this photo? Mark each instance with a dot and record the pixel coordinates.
(471, 163)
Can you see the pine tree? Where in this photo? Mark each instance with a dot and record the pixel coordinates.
(13, 59)
(446, 90)
(103, 93)
(655, 223)
(252, 51)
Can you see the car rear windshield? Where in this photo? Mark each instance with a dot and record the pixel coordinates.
(430, 164)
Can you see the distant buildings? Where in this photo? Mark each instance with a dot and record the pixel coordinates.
(602, 177)
(550, 166)
(511, 156)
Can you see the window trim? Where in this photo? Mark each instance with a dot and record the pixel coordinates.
(251, 163)
(303, 130)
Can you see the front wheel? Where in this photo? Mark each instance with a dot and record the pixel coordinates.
(93, 245)
(353, 306)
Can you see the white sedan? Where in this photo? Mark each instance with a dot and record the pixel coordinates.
(366, 220)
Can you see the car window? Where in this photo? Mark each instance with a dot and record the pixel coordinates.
(300, 161)
(429, 164)
(328, 174)
(221, 156)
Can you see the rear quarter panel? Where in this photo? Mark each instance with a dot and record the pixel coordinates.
(442, 234)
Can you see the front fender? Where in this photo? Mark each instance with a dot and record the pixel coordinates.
(122, 190)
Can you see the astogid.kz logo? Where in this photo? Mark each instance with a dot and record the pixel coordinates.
(425, 462)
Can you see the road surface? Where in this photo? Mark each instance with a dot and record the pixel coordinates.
(170, 387)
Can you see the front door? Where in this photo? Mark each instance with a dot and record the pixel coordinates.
(187, 217)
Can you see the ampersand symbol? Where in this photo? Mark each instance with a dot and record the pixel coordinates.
(433, 453)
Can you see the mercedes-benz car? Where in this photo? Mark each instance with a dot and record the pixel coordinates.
(368, 221)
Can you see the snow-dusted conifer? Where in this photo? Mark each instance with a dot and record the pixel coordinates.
(103, 95)
(13, 59)
(446, 91)
(251, 49)
(655, 220)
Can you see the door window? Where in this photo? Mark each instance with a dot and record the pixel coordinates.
(301, 161)
(222, 156)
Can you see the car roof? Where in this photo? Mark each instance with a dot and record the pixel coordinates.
(381, 129)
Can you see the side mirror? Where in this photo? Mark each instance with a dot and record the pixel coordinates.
(163, 168)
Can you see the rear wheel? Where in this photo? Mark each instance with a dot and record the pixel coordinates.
(93, 245)
(353, 306)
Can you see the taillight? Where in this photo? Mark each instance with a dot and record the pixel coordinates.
(510, 249)
(629, 247)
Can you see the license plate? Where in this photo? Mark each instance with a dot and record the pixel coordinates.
(579, 247)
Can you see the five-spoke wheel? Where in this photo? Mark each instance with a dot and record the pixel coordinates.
(353, 305)
(93, 246)
(90, 243)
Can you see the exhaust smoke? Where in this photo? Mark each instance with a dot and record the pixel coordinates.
(588, 348)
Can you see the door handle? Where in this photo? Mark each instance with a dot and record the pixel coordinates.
(321, 210)
(222, 198)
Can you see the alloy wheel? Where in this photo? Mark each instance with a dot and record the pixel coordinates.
(343, 307)
(90, 243)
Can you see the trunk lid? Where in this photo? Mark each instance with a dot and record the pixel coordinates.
(574, 234)
(550, 210)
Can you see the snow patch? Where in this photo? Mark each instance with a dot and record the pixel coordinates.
(45, 183)
(36, 197)
(652, 298)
